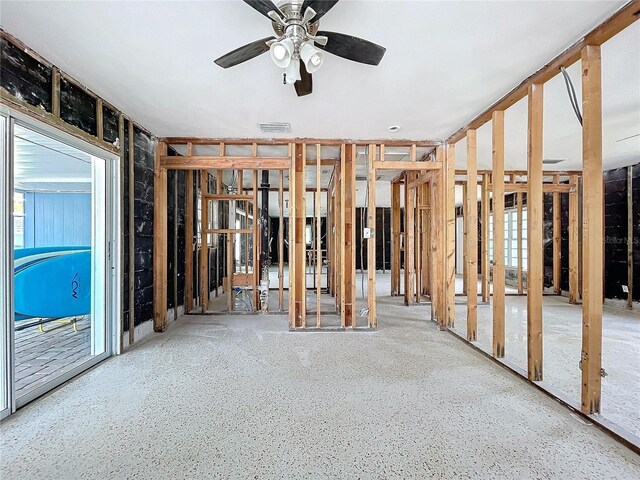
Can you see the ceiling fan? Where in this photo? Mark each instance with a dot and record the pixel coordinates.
(299, 46)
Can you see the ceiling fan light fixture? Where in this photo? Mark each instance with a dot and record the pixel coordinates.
(292, 71)
(311, 56)
(282, 52)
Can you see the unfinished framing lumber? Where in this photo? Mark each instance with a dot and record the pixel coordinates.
(629, 236)
(406, 165)
(520, 256)
(204, 240)
(123, 189)
(395, 238)
(188, 248)
(485, 211)
(371, 242)
(281, 243)
(471, 210)
(256, 239)
(99, 120)
(556, 239)
(335, 142)
(132, 231)
(349, 182)
(409, 243)
(497, 133)
(438, 240)
(225, 163)
(292, 236)
(574, 294)
(419, 246)
(592, 229)
(534, 234)
(300, 279)
(465, 249)
(228, 196)
(340, 299)
(159, 243)
(451, 234)
(219, 270)
(603, 32)
(318, 237)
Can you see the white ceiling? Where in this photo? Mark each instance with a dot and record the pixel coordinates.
(445, 62)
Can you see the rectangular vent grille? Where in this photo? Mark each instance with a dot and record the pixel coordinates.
(552, 161)
(275, 127)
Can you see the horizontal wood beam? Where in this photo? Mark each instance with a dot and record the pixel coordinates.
(422, 179)
(546, 187)
(286, 141)
(225, 163)
(603, 32)
(523, 173)
(406, 165)
(227, 196)
(230, 230)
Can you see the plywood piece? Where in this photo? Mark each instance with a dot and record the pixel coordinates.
(534, 234)
(498, 234)
(592, 230)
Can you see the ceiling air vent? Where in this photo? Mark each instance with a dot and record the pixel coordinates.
(275, 127)
(552, 161)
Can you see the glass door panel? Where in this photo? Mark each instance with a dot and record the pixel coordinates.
(60, 235)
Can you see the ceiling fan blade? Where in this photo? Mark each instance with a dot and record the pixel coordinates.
(244, 53)
(263, 6)
(320, 6)
(304, 86)
(352, 48)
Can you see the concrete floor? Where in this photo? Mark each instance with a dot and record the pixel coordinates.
(240, 396)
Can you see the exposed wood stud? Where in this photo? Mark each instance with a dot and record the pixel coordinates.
(465, 250)
(256, 240)
(188, 236)
(406, 165)
(592, 230)
(630, 235)
(498, 234)
(123, 188)
(99, 120)
(395, 239)
(485, 211)
(451, 234)
(300, 237)
(371, 242)
(471, 210)
(318, 207)
(217, 238)
(55, 92)
(556, 239)
(204, 240)
(574, 294)
(534, 234)
(159, 243)
(520, 244)
(225, 163)
(281, 242)
(409, 244)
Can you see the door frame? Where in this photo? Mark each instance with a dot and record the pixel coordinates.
(112, 279)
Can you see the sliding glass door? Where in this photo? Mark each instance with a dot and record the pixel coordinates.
(62, 263)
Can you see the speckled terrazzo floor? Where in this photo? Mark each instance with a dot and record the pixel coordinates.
(241, 397)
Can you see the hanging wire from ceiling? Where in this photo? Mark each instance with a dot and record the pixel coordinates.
(572, 94)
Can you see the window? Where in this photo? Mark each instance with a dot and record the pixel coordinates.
(511, 238)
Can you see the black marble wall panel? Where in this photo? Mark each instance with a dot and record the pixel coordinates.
(109, 125)
(24, 77)
(144, 153)
(125, 229)
(615, 232)
(636, 230)
(77, 107)
(547, 238)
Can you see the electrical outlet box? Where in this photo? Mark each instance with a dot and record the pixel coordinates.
(368, 232)
(625, 289)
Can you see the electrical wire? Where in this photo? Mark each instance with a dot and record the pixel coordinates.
(572, 94)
